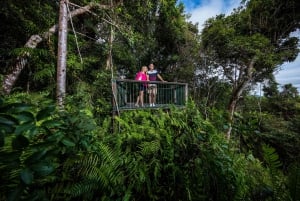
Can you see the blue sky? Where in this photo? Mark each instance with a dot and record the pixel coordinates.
(201, 10)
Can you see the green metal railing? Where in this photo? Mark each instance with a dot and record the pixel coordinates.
(125, 94)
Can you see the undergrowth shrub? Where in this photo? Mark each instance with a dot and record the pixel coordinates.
(150, 155)
(40, 147)
(177, 155)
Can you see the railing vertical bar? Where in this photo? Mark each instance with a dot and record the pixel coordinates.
(186, 93)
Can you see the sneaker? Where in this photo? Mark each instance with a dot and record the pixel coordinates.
(136, 105)
(153, 105)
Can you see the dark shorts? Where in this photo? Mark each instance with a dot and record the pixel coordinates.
(143, 87)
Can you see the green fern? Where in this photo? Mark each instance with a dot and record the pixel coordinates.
(271, 158)
(149, 148)
(88, 166)
(86, 172)
(46, 73)
(97, 172)
(278, 179)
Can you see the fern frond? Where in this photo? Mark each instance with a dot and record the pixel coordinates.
(97, 172)
(47, 72)
(123, 123)
(81, 188)
(271, 158)
(150, 148)
(108, 155)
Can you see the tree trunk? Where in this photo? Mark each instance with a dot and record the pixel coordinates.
(109, 64)
(34, 40)
(236, 95)
(21, 61)
(62, 54)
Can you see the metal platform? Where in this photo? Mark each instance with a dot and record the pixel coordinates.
(168, 94)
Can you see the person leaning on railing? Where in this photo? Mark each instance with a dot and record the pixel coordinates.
(152, 88)
(141, 76)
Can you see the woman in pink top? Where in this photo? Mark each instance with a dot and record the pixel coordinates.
(141, 76)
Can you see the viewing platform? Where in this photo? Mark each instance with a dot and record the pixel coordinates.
(126, 91)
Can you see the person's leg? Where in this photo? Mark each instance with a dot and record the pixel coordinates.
(151, 97)
(139, 96)
(137, 100)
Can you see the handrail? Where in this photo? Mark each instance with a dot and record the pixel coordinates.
(134, 81)
(168, 93)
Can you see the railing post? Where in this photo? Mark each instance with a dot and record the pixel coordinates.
(186, 93)
(175, 95)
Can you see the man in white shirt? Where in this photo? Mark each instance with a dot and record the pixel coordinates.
(152, 88)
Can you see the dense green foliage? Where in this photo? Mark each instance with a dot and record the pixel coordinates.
(83, 153)
(151, 155)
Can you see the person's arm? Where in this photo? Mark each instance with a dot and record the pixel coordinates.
(160, 77)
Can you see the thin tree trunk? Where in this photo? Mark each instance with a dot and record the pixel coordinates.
(21, 61)
(109, 64)
(236, 95)
(62, 54)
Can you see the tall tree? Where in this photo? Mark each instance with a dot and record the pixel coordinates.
(289, 91)
(34, 40)
(143, 32)
(251, 43)
(62, 53)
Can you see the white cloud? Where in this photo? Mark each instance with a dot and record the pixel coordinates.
(290, 74)
(209, 8)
